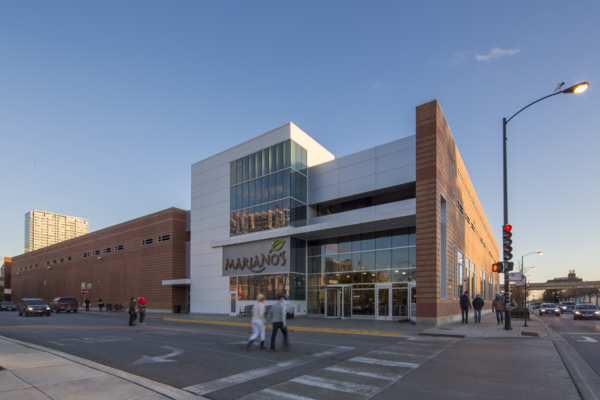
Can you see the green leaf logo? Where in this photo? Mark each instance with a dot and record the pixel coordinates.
(277, 245)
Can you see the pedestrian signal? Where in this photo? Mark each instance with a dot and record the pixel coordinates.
(498, 267)
(509, 265)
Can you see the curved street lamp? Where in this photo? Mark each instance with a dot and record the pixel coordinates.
(579, 88)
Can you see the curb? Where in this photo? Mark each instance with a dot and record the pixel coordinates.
(583, 376)
(291, 328)
(166, 390)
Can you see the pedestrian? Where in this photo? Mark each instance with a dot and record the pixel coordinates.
(87, 304)
(100, 304)
(498, 307)
(258, 322)
(478, 304)
(277, 318)
(465, 306)
(132, 313)
(142, 309)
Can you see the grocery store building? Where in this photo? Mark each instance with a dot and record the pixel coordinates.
(391, 232)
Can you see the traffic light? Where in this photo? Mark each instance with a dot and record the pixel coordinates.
(507, 242)
(498, 267)
(509, 265)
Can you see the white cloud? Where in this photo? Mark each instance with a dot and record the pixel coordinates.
(459, 58)
(497, 52)
(377, 85)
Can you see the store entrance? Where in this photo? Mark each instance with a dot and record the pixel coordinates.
(394, 302)
(338, 301)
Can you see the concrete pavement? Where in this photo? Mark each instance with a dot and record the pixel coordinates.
(31, 372)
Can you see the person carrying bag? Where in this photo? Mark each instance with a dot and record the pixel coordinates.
(132, 312)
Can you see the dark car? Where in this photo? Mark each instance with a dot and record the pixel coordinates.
(566, 306)
(29, 307)
(67, 304)
(8, 306)
(586, 311)
(536, 306)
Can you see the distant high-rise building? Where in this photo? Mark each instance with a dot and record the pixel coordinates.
(44, 229)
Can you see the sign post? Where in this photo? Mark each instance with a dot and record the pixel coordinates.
(84, 292)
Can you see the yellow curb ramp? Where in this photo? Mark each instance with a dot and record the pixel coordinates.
(291, 328)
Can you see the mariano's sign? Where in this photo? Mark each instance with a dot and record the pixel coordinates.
(262, 257)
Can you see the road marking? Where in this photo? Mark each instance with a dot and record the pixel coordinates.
(393, 353)
(587, 340)
(246, 376)
(147, 360)
(291, 328)
(340, 386)
(578, 333)
(284, 395)
(378, 375)
(375, 361)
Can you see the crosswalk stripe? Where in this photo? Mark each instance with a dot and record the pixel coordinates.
(393, 353)
(233, 380)
(284, 395)
(334, 384)
(367, 360)
(344, 370)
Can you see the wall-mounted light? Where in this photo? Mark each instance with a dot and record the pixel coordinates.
(49, 267)
(99, 258)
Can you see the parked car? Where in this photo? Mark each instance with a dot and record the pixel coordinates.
(566, 306)
(29, 307)
(549, 308)
(67, 304)
(8, 306)
(535, 306)
(586, 311)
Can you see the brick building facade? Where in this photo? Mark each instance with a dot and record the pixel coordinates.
(131, 259)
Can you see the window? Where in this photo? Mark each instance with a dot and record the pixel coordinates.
(146, 242)
(46, 263)
(53, 261)
(96, 252)
(119, 247)
(61, 260)
(85, 255)
(68, 258)
(34, 265)
(164, 238)
(106, 250)
(460, 207)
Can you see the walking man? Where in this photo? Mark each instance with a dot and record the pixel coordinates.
(478, 304)
(277, 318)
(87, 304)
(142, 309)
(258, 322)
(132, 313)
(465, 306)
(100, 304)
(498, 307)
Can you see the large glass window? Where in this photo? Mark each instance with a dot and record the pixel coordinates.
(270, 175)
(292, 286)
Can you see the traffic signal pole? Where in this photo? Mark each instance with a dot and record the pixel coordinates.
(507, 321)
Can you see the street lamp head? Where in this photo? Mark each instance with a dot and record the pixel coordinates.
(532, 267)
(579, 88)
(541, 253)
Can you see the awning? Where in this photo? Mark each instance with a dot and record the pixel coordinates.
(177, 282)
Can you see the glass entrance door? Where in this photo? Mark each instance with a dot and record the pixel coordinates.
(232, 303)
(383, 302)
(347, 302)
(332, 303)
(400, 300)
(413, 301)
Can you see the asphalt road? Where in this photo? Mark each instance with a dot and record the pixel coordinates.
(188, 354)
(583, 335)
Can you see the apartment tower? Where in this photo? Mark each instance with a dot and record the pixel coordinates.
(44, 229)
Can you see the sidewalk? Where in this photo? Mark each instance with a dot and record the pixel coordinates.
(27, 372)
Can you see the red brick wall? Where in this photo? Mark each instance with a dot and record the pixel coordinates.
(136, 271)
(437, 175)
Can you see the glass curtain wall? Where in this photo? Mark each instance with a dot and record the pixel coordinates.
(360, 260)
(268, 189)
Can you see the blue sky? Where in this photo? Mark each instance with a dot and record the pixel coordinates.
(105, 105)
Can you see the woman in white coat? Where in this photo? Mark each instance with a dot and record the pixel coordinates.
(258, 322)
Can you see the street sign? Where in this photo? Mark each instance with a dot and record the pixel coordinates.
(84, 291)
(89, 285)
(82, 285)
(517, 278)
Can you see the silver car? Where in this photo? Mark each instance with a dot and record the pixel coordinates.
(583, 311)
(549, 308)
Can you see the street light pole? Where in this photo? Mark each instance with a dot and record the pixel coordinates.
(579, 88)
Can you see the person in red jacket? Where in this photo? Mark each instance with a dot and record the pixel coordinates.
(142, 309)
